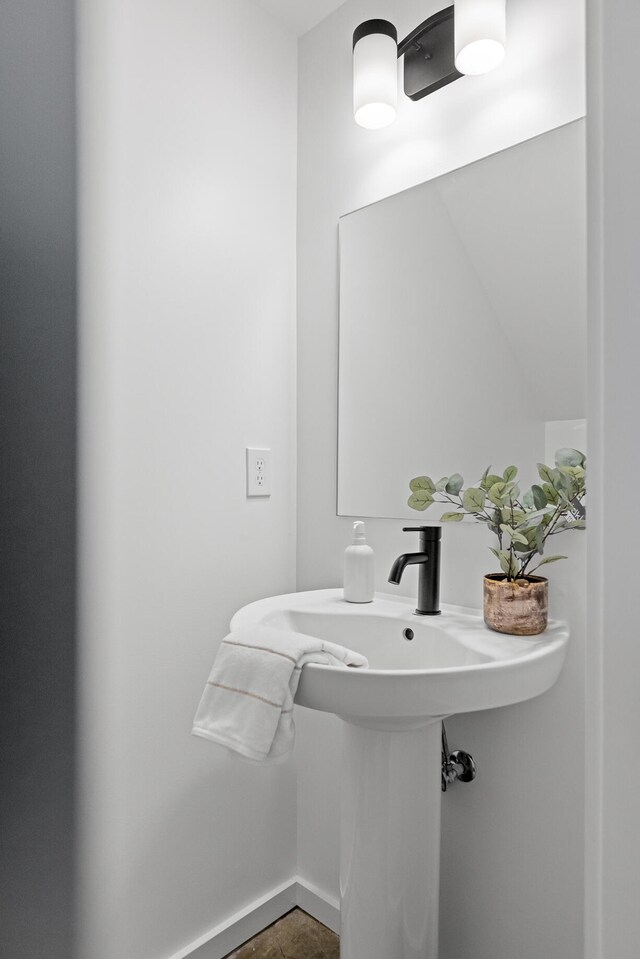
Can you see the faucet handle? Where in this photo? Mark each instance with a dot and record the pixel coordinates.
(427, 533)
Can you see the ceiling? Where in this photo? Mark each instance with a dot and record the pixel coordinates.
(300, 15)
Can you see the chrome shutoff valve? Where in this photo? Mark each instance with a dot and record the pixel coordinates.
(458, 765)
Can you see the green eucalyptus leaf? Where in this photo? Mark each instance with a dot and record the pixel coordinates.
(539, 497)
(562, 482)
(454, 485)
(474, 499)
(514, 492)
(527, 500)
(510, 474)
(422, 483)
(452, 517)
(533, 518)
(490, 480)
(441, 484)
(575, 472)
(569, 457)
(550, 559)
(497, 492)
(540, 539)
(514, 535)
(551, 493)
(546, 474)
(508, 563)
(523, 548)
(576, 524)
(420, 500)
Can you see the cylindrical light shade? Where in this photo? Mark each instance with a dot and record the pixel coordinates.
(375, 73)
(480, 35)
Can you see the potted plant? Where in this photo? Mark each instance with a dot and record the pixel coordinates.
(515, 600)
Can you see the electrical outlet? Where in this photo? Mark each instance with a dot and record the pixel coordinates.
(258, 472)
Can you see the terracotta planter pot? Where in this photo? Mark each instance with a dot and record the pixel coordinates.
(518, 608)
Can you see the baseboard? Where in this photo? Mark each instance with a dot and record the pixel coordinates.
(228, 935)
(318, 904)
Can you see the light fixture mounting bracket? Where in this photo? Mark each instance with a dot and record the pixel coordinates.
(429, 55)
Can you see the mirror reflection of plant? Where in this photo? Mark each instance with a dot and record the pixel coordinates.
(521, 523)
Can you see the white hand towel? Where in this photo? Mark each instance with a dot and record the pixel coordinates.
(247, 704)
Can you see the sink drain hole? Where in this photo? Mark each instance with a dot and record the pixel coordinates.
(408, 633)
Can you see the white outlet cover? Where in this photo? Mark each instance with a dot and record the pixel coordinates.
(258, 472)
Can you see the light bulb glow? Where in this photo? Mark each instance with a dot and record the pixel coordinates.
(374, 116)
(480, 35)
(375, 79)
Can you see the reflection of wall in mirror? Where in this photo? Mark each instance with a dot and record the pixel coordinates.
(462, 313)
(564, 433)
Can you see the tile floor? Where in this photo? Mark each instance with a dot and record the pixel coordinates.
(295, 936)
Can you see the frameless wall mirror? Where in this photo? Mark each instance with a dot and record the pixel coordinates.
(463, 324)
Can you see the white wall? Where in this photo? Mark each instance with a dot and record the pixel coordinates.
(513, 842)
(613, 851)
(187, 192)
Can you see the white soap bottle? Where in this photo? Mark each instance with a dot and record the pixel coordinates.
(358, 568)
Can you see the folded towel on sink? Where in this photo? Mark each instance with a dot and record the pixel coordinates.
(247, 704)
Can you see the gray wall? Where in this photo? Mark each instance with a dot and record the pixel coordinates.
(37, 482)
(613, 838)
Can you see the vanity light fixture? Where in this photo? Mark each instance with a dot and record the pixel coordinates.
(466, 38)
(375, 73)
(480, 35)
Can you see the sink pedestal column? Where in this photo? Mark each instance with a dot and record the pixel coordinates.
(390, 841)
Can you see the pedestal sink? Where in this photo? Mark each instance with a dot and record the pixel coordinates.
(421, 670)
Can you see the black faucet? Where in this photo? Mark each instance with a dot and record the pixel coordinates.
(429, 576)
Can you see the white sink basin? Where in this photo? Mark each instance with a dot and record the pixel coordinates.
(390, 769)
(453, 664)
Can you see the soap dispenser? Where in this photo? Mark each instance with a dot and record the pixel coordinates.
(358, 568)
